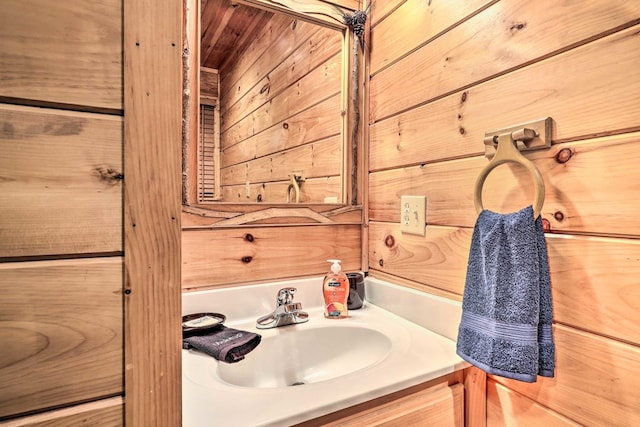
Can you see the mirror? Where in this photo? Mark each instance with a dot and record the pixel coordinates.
(270, 124)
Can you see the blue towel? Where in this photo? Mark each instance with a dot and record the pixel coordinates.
(507, 311)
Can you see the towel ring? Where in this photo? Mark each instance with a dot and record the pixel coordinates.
(508, 153)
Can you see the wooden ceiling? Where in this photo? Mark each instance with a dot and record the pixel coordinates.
(226, 30)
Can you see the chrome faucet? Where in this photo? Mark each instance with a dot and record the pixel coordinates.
(287, 312)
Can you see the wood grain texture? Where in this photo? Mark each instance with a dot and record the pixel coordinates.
(438, 259)
(317, 159)
(61, 332)
(571, 187)
(152, 146)
(297, 97)
(594, 280)
(475, 397)
(595, 383)
(318, 122)
(320, 12)
(503, 37)
(104, 413)
(454, 126)
(281, 65)
(438, 406)
(209, 84)
(505, 405)
(415, 23)
(61, 179)
(277, 27)
(265, 253)
(62, 52)
(382, 9)
(313, 190)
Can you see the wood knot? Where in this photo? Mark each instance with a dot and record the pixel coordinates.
(381, 262)
(247, 259)
(249, 237)
(285, 125)
(462, 131)
(464, 96)
(517, 26)
(559, 216)
(108, 175)
(546, 225)
(389, 241)
(259, 198)
(564, 155)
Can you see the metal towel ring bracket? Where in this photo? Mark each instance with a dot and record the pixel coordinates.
(508, 153)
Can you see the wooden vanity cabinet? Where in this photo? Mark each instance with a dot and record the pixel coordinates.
(440, 402)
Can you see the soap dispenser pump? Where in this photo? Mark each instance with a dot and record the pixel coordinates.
(335, 288)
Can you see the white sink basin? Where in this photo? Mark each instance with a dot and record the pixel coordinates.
(297, 356)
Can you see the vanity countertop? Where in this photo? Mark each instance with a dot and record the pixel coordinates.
(419, 353)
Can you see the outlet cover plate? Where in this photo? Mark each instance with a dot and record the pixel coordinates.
(413, 213)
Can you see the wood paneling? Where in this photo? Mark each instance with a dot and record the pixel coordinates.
(437, 407)
(296, 98)
(225, 257)
(382, 9)
(227, 28)
(504, 406)
(455, 125)
(594, 280)
(61, 178)
(318, 122)
(152, 148)
(313, 190)
(571, 187)
(414, 23)
(62, 52)
(481, 49)
(317, 159)
(284, 64)
(104, 413)
(439, 259)
(595, 383)
(61, 332)
(278, 26)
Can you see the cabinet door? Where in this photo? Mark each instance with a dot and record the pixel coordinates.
(441, 405)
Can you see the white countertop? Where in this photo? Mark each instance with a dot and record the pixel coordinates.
(417, 354)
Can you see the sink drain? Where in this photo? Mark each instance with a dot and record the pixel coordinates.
(298, 383)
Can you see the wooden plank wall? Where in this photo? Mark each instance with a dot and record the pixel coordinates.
(61, 192)
(444, 73)
(281, 112)
(75, 335)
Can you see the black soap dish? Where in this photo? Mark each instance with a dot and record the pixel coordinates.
(200, 323)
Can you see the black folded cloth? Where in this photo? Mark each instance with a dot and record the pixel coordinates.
(224, 344)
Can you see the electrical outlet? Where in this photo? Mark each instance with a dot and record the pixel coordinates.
(413, 212)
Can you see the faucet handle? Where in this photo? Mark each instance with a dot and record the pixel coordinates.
(285, 295)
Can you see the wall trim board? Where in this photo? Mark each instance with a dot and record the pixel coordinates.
(152, 206)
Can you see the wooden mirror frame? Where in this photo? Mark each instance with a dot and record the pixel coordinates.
(228, 214)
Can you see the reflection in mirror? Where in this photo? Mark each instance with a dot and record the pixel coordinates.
(271, 121)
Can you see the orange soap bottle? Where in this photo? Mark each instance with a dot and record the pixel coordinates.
(335, 288)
